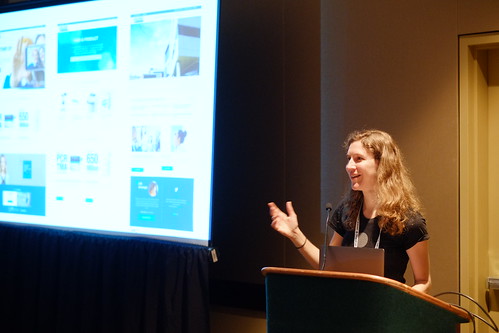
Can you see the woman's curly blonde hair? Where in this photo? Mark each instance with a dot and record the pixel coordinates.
(397, 199)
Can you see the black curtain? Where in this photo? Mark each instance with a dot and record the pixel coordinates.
(63, 281)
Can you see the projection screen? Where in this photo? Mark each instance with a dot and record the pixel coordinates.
(107, 117)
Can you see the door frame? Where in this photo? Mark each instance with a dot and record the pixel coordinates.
(474, 138)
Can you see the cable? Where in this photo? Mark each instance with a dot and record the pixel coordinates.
(495, 328)
(473, 315)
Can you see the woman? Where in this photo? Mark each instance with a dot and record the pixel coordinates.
(382, 202)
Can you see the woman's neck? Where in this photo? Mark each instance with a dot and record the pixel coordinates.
(369, 206)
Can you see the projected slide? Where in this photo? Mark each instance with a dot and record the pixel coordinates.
(107, 114)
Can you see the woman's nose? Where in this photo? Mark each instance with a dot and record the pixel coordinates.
(350, 165)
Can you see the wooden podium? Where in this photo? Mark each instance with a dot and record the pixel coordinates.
(308, 301)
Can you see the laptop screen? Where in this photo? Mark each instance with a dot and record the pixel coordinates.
(354, 260)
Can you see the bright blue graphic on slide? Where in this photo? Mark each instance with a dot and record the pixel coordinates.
(164, 203)
(87, 50)
(23, 188)
(27, 169)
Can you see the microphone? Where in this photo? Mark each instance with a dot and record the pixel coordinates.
(329, 208)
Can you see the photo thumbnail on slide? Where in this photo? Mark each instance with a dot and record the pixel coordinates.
(22, 184)
(165, 48)
(22, 58)
(179, 135)
(146, 139)
(165, 203)
(86, 50)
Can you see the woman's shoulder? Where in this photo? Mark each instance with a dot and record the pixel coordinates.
(341, 211)
(415, 227)
(415, 231)
(415, 219)
(338, 218)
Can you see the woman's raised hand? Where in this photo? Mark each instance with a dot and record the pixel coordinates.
(283, 223)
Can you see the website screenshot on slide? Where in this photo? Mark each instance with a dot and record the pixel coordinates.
(107, 117)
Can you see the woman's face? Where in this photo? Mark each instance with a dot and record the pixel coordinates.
(362, 168)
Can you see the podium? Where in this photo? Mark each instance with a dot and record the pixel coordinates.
(308, 301)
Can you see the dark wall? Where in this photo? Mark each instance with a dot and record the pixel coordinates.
(267, 135)
(249, 135)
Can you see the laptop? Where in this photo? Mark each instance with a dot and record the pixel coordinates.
(354, 260)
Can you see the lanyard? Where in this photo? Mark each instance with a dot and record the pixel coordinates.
(356, 238)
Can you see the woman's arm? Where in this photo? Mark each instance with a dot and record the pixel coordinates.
(287, 225)
(336, 240)
(420, 263)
